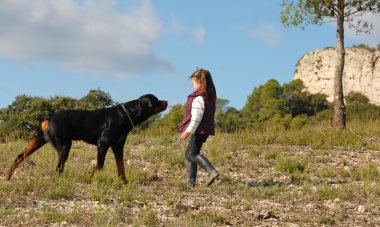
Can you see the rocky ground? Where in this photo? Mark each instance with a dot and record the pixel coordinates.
(266, 185)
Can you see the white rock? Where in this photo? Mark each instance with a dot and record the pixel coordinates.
(361, 209)
(361, 72)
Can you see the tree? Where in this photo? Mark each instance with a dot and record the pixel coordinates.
(221, 105)
(95, 99)
(264, 103)
(173, 118)
(318, 12)
(300, 102)
(227, 119)
(230, 120)
(356, 98)
(23, 115)
(318, 103)
(295, 98)
(62, 103)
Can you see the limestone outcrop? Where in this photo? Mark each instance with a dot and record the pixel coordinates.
(361, 72)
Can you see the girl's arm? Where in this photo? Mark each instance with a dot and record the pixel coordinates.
(197, 110)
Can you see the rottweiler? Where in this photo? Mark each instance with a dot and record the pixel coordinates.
(106, 128)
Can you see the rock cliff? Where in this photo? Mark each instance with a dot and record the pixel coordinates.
(361, 72)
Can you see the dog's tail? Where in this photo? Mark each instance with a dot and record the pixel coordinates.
(37, 141)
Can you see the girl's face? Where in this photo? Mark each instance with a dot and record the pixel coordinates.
(196, 84)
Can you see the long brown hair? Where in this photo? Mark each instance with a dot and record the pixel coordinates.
(207, 85)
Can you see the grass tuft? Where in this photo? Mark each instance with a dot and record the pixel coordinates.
(366, 173)
(290, 165)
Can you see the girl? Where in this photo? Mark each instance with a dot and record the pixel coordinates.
(198, 122)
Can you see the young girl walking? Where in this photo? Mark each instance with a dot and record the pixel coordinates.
(198, 122)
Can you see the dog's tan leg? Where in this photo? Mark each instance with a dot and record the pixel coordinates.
(33, 145)
(121, 171)
(118, 153)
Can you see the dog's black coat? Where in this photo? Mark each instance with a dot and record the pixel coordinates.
(106, 128)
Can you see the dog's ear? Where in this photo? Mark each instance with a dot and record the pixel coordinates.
(145, 102)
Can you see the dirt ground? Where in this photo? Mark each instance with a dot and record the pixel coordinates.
(335, 187)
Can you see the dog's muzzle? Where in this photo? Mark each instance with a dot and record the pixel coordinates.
(164, 105)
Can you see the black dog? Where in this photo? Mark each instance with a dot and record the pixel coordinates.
(105, 128)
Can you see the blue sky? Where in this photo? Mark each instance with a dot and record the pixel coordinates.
(132, 47)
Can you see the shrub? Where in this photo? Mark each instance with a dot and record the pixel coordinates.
(299, 121)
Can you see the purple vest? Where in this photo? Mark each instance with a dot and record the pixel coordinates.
(206, 126)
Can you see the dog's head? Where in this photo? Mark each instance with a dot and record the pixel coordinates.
(151, 105)
(146, 106)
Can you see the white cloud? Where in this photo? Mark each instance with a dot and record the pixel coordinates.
(90, 36)
(177, 27)
(371, 39)
(199, 35)
(266, 33)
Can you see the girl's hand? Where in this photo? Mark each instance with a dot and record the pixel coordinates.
(184, 135)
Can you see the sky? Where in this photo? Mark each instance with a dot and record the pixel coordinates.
(128, 48)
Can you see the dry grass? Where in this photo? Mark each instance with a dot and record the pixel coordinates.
(311, 176)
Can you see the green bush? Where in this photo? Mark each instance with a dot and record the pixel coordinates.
(299, 121)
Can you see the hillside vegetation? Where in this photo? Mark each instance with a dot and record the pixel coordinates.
(270, 104)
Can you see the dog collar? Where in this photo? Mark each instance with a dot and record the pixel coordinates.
(129, 116)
